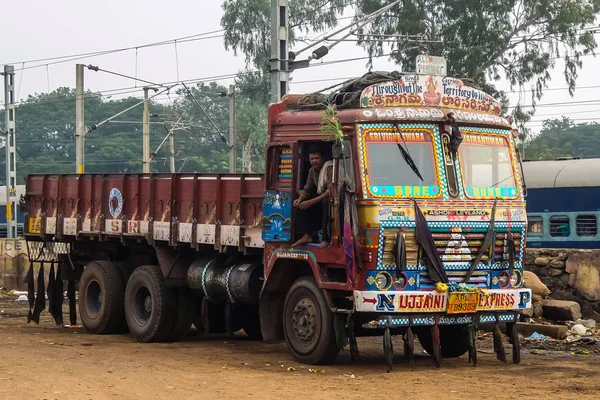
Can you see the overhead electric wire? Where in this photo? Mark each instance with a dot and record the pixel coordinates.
(72, 57)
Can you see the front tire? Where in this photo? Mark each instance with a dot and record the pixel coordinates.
(308, 324)
(148, 305)
(101, 294)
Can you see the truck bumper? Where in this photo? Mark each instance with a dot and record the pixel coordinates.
(435, 302)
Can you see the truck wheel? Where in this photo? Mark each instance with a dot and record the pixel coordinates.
(454, 340)
(182, 317)
(101, 293)
(148, 306)
(308, 324)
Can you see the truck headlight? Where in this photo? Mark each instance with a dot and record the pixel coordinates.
(383, 281)
(515, 279)
(503, 279)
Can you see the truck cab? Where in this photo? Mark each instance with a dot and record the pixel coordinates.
(427, 211)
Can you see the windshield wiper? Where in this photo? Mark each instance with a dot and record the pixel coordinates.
(406, 155)
(499, 182)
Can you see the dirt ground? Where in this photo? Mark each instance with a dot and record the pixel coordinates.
(48, 362)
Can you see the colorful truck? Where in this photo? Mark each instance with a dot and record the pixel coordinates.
(423, 229)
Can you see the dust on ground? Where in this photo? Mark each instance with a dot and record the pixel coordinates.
(49, 362)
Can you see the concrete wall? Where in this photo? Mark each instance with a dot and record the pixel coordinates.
(14, 263)
(569, 274)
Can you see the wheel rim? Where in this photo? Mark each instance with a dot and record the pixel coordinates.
(143, 305)
(93, 299)
(306, 325)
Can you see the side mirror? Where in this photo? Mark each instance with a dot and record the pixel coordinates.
(341, 153)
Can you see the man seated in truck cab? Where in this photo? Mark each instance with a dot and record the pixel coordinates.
(313, 203)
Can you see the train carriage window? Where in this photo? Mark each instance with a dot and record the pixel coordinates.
(586, 225)
(559, 226)
(535, 226)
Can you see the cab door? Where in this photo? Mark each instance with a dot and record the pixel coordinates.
(281, 174)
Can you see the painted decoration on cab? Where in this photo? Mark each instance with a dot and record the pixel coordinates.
(429, 90)
(277, 216)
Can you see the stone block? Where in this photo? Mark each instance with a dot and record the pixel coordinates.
(542, 261)
(553, 331)
(587, 281)
(561, 310)
(554, 272)
(557, 264)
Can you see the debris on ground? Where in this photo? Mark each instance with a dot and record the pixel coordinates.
(537, 337)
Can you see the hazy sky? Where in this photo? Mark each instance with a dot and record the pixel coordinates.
(39, 29)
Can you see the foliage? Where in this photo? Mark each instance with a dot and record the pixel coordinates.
(46, 131)
(247, 24)
(331, 127)
(519, 40)
(564, 138)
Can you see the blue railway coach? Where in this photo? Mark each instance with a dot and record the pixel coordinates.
(563, 203)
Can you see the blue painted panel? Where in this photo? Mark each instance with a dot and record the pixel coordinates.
(277, 216)
(568, 199)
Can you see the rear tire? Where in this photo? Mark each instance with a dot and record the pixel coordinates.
(148, 305)
(454, 340)
(308, 324)
(101, 298)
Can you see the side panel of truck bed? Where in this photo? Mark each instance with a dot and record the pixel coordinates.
(218, 210)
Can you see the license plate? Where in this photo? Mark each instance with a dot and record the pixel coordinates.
(460, 303)
(35, 225)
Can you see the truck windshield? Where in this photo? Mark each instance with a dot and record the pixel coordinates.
(388, 172)
(485, 163)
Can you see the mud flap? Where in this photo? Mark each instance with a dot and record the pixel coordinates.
(352, 337)
(498, 345)
(435, 338)
(388, 347)
(30, 292)
(72, 302)
(473, 345)
(409, 342)
(205, 317)
(40, 298)
(513, 337)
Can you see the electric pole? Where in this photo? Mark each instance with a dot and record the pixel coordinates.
(146, 134)
(279, 50)
(79, 119)
(11, 160)
(232, 130)
(172, 151)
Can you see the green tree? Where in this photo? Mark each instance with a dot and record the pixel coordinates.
(561, 137)
(518, 40)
